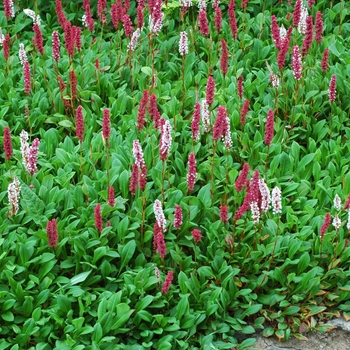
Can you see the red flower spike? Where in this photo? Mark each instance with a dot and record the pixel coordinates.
(308, 37)
(55, 46)
(52, 233)
(284, 49)
(26, 77)
(106, 124)
(297, 13)
(38, 38)
(60, 14)
(218, 19)
(319, 27)
(241, 180)
(269, 129)
(6, 45)
(325, 225)
(167, 283)
(178, 217)
(134, 179)
(220, 125)
(203, 22)
(196, 234)
(154, 112)
(192, 172)
(142, 110)
(224, 213)
(244, 112)
(224, 57)
(7, 143)
(210, 89)
(324, 60)
(111, 200)
(331, 91)
(140, 16)
(98, 217)
(232, 19)
(275, 32)
(128, 28)
(143, 177)
(195, 121)
(79, 123)
(73, 84)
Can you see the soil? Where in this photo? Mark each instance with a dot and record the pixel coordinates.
(337, 339)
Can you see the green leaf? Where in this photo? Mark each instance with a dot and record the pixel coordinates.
(127, 253)
(291, 310)
(33, 205)
(182, 307)
(304, 262)
(81, 277)
(144, 302)
(205, 196)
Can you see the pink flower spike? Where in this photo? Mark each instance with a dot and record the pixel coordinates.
(106, 124)
(241, 179)
(192, 172)
(26, 77)
(165, 140)
(161, 246)
(332, 90)
(98, 217)
(55, 46)
(52, 233)
(178, 217)
(167, 283)
(33, 156)
(203, 22)
(195, 121)
(296, 62)
(224, 213)
(196, 234)
(183, 44)
(325, 225)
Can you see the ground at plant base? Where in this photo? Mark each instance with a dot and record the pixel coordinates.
(337, 339)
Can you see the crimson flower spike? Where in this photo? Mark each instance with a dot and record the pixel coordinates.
(7, 143)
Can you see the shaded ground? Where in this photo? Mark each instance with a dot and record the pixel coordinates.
(338, 339)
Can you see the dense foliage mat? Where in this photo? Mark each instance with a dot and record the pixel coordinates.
(173, 175)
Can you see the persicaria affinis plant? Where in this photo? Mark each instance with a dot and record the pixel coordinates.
(79, 123)
(167, 283)
(332, 91)
(203, 22)
(106, 124)
(210, 89)
(192, 171)
(13, 191)
(178, 217)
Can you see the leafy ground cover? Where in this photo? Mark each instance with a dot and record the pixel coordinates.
(172, 173)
